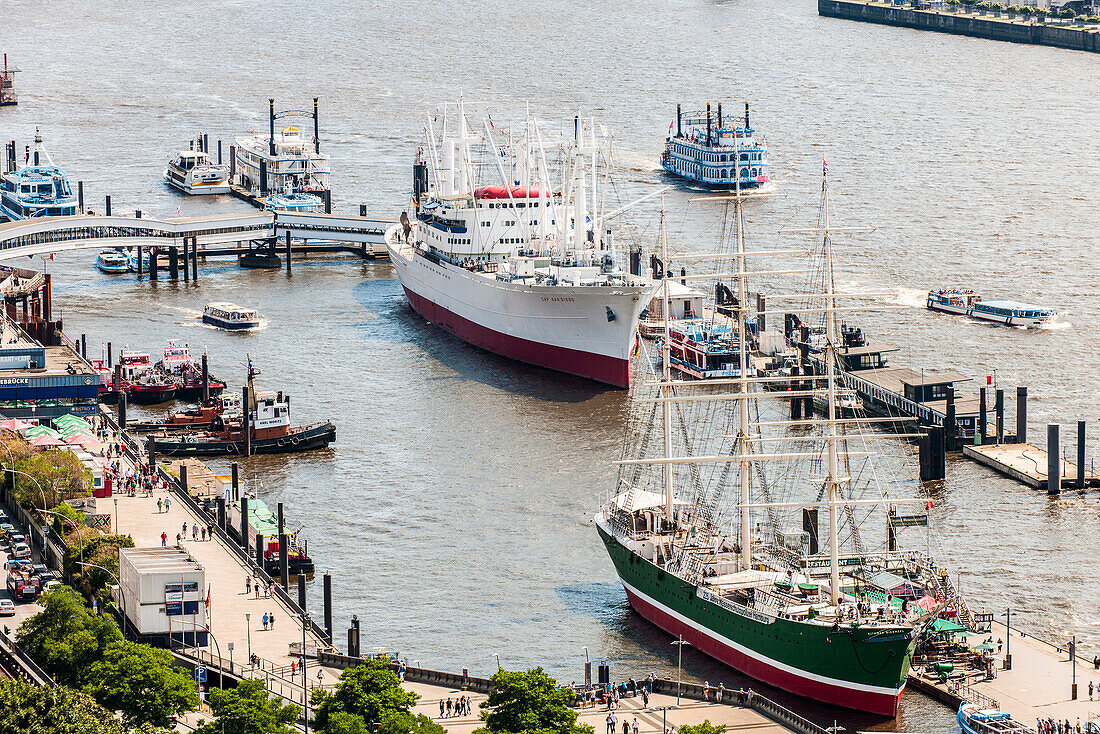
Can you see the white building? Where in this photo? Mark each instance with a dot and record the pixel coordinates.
(163, 594)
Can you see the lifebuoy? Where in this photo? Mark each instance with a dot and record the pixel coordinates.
(230, 449)
(282, 442)
(294, 440)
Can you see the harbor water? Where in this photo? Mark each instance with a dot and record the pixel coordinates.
(454, 510)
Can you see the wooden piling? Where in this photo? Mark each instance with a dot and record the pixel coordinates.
(284, 562)
(260, 543)
(302, 596)
(173, 263)
(233, 481)
(206, 384)
(195, 259)
(1080, 454)
(154, 255)
(186, 259)
(80, 195)
(83, 346)
(220, 504)
(328, 606)
(1054, 459)
(108, 354)
(244, 522)
(983, 417)
(796, 404)
(122, 410)
(183, 477)
(288, 252)
(1021, 415)
(999, 409)
(949, 424)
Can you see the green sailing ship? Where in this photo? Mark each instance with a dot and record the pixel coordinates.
(703, 527)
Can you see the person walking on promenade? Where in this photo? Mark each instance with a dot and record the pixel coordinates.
(167, 504)
(634, 725)
(271, 620)
(450, 707)
(247, 584)
(645, 698)
(706, 690)
(441, 707)
(202, 533)
(195, 531)
(265, 620)
(610, 722)
(1090, 690)
(160, 506)
(179, 540)
(164, 539)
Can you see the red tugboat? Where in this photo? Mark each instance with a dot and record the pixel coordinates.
(264, 429)
(178, 364)
(141, 383)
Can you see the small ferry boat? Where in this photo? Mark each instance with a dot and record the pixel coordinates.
(973, 719)
(40, 189)
(193, 173)
(230, 316)
(292, 202)
(227, 408)
(132, 261)
(704, 348)
(716, 151)
(178, 364)
(112, 261)
(969, 303)
(269, 429)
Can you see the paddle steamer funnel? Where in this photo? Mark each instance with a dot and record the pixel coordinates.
(747, 126)
(271, 125)
(678, 118)
(316, 129)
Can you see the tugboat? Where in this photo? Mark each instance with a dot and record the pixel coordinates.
(37, 190)
(178, 365)
(715, 151)
(225, 408)
(141, 383)
(267, 430)
(112, 261)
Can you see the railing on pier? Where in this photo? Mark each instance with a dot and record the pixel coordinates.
(19, 664)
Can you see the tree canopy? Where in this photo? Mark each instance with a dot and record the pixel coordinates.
(140, 681)
(25, 707)
(247, 709)
(65, 637)
(523, 702)
(705, 728)
(368, 698)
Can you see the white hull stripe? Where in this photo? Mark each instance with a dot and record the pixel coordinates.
(762, 658)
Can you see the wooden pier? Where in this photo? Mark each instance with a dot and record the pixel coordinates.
(1028, 464)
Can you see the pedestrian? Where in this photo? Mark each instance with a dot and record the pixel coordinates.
(271, 620)
(292, 668)
(195, 531)
(202, 533)
(160, 505)
(645, 698)
(626, 726)
(265, 620)
(706, 690)
(248, 584)
(164, 539)
(167, 503)
(450, 707)
(184, 531)
(441, 707)
(721, 693)
(1090, 690)
(209, 532)
(179, 540)
(610, 723)
(634, 725)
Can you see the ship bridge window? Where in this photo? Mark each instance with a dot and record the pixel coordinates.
(744, 157)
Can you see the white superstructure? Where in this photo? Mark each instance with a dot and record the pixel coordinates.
(510, 250)
(193, 173)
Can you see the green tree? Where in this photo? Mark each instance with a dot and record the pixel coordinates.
(24, 707)
(705, 728)
(527, 702)
(60, 474)
(148, 728)
(139, 681)
(369, 697)
(65, 637)
(247, 709)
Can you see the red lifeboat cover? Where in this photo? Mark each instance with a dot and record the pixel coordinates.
(502, 192)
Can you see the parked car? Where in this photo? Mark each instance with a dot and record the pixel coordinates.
(41, 571)
(16, 538)
(7, 608)
(51, 584)
(21, 550)
(5, 528)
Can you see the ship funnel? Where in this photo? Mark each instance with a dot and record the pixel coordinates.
(719, 119)
(746, 116)
(271, 124)
(708, 123)
(316, 129)
(678, 116)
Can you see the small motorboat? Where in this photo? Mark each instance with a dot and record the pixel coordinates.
(294, 202)
(973, 719)
(112, 261)
(226, 409)
(132, 262)
(193, 173)
(230, 316)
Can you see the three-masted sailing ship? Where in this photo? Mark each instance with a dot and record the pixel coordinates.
(701, 527)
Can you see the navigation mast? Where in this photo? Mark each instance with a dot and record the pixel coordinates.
(666, 371)
(832, 480)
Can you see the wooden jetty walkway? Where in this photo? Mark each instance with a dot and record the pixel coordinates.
(1028, 465)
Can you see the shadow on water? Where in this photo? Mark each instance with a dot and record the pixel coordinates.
(397, 322)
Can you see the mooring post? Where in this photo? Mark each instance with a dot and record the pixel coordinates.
(195, 259)
(186, 259)
(1054, 459)
(109, 354)
(246, 425)
(302, 594)
(999, 407)
(233, 482)
(140, 261)
(220, 505)
(244, 524)
(362, 210)
(152, 451)
(284, 565)
(261, 556)
(796, 403)
(173, 263)
(84, 346)
(353, 637)
(328, 606)
(219, 151)
(183, 477)
(983, 417)
(122, 410)
(1080, 454)
(206, 381)
(80, 195)
(949, 420)
(1021, 415)
(154, 255)
(107, 207)
(288, 252)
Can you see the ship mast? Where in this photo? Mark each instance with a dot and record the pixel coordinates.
(666, 370)
(743, 403)
(832, 480)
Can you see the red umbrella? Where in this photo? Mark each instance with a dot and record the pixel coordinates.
(82, 439)
(14, 424)
(46, 441)
(926, 602)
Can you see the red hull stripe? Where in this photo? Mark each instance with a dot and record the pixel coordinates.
(838, 695)
(597, 367)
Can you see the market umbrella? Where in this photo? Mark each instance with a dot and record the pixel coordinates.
(82, 439)
(985, 646)
(38, 431)
(72, 420)
(14, 424)
(926, 602)
(947, 627)
(47, 441)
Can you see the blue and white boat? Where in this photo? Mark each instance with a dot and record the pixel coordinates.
(716, 151)
(973, 719)
(113, 261)
(132, 261)
(704, 348)
(230, 316)
(1011, 313)
(37, 189)
(294, 202)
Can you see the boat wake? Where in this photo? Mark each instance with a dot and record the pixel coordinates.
(914, 297)
(1056, 324)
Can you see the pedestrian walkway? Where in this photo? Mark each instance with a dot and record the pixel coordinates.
(1039, 684)
(655, 719)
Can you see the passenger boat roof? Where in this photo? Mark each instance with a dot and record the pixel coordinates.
(228, 307)
(1010, 304)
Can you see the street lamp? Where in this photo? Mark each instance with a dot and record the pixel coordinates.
(215, 639)
(498, 660)
(248, 633)
(305, 680)
(1073, 660)
(679, 665)
(1008, 639)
